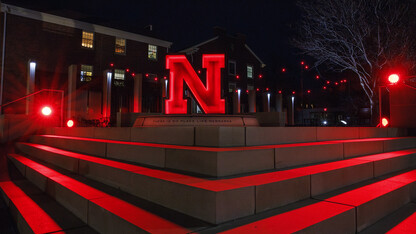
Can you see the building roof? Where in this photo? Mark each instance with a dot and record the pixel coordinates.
(195, 48)
(36, 15)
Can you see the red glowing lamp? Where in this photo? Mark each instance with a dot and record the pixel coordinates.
(328, 82)
(237, 77)
(317, 77)
(111, 64)
(283, 69)
(46, 111)
(302, 62)
(70, 123)
(261, 76)
(127, 70)
(309, 91)
(324, 87)
(394, 78)
(325, 109)
(293, 92)
(384, 122)
(258, 89)
(306, 67)
(280, 91)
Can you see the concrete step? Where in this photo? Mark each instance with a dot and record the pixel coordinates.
(228, 136)
(34, 212)
(349, 210)
(218, 162)
(401, 221)
(101, 211)
(218, 201)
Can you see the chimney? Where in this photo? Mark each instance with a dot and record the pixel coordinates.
(241, 37)
(219, 31)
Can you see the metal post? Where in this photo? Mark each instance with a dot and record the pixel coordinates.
(62, 108)
(379, 104)
(2, 60)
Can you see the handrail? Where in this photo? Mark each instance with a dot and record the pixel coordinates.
(31, 94)
(40, 91)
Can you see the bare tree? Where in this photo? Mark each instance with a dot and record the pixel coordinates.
(361, 36)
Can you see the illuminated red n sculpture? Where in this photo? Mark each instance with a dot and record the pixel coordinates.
(209, 97)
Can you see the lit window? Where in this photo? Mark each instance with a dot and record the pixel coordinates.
(250, 72)
(87, 39)
(86, 72)
(152, 52)
(119, 74)
(231, 67)
(120, 46)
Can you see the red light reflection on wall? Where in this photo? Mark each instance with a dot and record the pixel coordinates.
(209, 97)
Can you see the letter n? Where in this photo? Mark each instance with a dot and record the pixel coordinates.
(209, 97)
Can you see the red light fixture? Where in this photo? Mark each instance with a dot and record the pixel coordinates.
(280, 91)
(336, 83)
(147, 75)
(293, 92)
(317, 77)
(283, 69)
(260, 76)
(156, 78)
(384, 122)
(111, 64)
(70, 123)
(247, 91)
(306, 67)
(324, 87)
(132, 74)
(258, 89)
(325, 109)
(199, 71)
(394, 78)
(127, 70)
(309, 91)
(164, 77)
(302, 62)
(345, 81)
(237, 77)
(267, 89)
(46, 111)
(328, 82)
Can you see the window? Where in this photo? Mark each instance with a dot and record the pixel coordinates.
(232, 86)
(119, 74)
(87, 39)
(86, 72)
(250, 72)
(231, 67)
(120, 46)
(152, 52)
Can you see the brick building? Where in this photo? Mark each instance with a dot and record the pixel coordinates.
(243, 84)
(102, 70)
